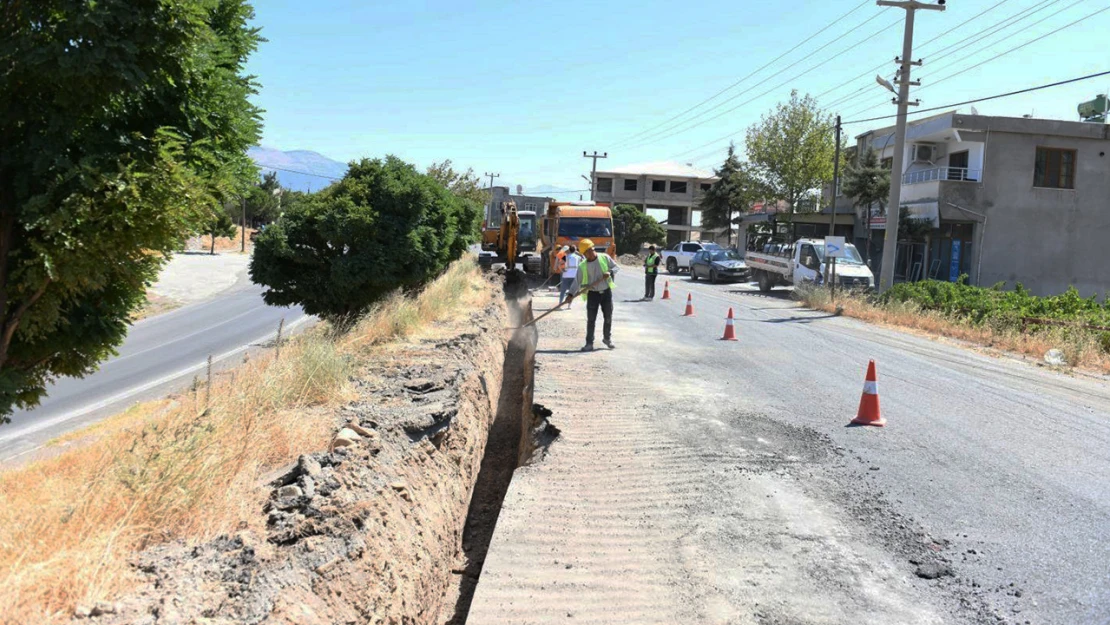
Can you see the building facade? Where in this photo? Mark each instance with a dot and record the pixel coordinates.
(1010, 200)
(669, 192)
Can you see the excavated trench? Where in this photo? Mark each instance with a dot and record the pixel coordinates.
(518, 430)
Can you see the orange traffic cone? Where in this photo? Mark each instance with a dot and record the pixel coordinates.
(666, 290)
(868, 413)
(689, 305)
(730, 329)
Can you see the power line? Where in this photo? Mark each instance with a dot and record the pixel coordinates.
(1014, 49)
(673, 128)
(977, 100)
(788, 81)
(879, 68)
(753, 73)
(293, 171)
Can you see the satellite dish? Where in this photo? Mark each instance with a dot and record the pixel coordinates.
(974, 111)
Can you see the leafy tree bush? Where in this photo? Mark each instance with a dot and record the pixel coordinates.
(636, 229)
(998, 306)
(219, 225)
(123, 122)
(736, 189)
(384, 226)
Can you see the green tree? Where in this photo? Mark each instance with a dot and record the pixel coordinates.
(220, 224)
(727, 199)
(263, 199)
(867, 182)
(793, 149)
(384, 226)
(912, 228)
(635, 229)
(463, 184)
(123, 120)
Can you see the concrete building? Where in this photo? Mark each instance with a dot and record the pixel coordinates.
(669, 192)
(1010, 200)
(523, 202)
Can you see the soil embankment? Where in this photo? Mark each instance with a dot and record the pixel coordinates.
(382, 527)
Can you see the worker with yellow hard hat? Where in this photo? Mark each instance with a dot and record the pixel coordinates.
(595, 283)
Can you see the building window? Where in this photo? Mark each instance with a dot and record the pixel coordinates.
(695, 219)
(1054, 169)
(529, 206)
(658, 186)
(888, 162)
(678, 187)
(630, 184)
(705, 187)
(605, 185)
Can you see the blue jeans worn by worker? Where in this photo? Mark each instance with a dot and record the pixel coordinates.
(565, 286)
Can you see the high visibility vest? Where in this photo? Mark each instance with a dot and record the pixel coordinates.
(585, 272)
(560, 263)
(652, 267)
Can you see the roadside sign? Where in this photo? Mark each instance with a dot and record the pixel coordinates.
(834, 247)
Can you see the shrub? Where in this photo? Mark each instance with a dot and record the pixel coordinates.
(384, 226)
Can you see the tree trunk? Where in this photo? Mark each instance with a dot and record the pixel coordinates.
(212, 251)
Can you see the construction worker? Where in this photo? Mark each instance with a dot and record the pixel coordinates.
(651, 272)
(595, 283)
(568, 266)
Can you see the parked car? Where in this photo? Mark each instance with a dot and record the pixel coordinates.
(718, 265)
(678, 258)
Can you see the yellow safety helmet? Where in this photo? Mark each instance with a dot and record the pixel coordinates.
(585, 244)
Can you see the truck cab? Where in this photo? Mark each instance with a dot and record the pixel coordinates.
(567, 223)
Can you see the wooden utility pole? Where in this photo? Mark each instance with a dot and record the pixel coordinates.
(593, 170)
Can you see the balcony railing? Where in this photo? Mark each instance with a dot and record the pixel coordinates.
(961, 174)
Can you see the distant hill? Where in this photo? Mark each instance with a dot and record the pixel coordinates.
(299, 170)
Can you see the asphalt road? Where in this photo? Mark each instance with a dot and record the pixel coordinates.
(995, 464)
(160, 355)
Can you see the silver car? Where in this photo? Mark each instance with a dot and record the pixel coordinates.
(718, 265)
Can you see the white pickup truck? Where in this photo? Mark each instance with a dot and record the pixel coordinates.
(678, 258)
(804, 261)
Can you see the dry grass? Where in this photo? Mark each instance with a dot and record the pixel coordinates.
(203, 243)
(154, 305)
(181, 470)
(1081, 347)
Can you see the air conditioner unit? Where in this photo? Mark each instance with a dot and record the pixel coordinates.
(924, 153)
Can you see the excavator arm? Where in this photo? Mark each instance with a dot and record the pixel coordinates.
(508, 239)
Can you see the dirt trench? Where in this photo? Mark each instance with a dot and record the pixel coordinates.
(393, 528)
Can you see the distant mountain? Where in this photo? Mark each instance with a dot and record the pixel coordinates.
(299, 170)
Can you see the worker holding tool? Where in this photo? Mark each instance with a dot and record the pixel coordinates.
(595, 283)
(651, 272)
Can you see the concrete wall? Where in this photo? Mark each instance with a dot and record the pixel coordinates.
(1047, 239)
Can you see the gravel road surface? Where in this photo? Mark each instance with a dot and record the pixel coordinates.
(713, 482)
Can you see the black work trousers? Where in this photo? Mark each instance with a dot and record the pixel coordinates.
(649, 285)
(604, 301)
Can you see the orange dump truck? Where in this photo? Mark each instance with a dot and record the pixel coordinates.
(566, 223)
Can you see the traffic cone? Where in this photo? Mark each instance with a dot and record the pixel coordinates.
(666, 290)
(730, 329)
(689, 305)
(868, 413)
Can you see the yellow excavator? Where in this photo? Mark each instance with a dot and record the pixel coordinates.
(509, 238)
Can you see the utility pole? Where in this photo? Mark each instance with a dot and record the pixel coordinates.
(836, 181)
(593, 170)
(905, 62)
(243, 229)
(491, 177)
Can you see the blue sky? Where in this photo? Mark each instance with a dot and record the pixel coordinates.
(522, 88)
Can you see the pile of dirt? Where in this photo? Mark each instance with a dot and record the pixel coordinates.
(632, 260)
(367, 531)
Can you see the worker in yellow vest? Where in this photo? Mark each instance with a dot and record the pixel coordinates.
(651, 272)
(595, 284)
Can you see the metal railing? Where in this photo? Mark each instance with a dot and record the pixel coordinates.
(962, 174)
